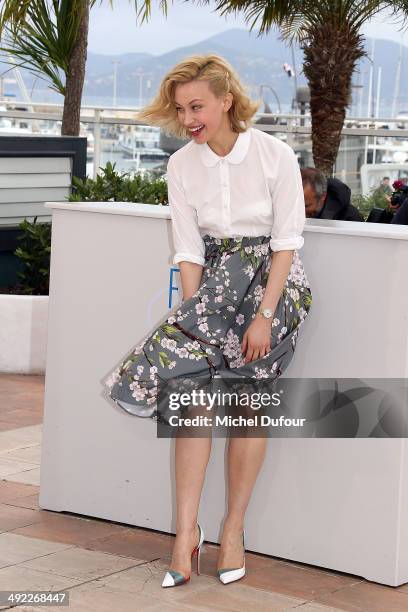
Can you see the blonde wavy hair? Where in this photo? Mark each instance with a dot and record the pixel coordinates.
(222, 79)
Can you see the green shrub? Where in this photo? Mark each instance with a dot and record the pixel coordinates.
(112, 186)
(35, 252)
(363, 203)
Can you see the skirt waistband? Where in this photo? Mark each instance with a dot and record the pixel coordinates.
(236, 241)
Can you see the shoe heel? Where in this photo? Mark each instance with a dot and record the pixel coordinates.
(198, 560)
(200, 543)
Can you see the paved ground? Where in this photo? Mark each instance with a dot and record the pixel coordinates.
(114, 567)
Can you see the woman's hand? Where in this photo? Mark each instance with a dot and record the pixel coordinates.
(256, 341)
(191, 276)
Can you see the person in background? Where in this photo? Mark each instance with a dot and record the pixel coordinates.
(400, 202)
(382, 194)
(395, 199)
(401, 216)
(327, 198)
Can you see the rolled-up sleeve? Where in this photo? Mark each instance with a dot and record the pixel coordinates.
(288, 203)
(188, 243)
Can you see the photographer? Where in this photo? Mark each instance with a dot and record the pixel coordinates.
(327, 198)
(399, 201)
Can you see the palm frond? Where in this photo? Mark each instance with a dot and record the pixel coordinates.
(44, 41)
(37, 63)
(13, 12)
(146, 9)
(295, 17)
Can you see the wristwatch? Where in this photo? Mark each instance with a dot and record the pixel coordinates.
(267, 313)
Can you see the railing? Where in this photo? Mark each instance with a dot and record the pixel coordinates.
(287, 124)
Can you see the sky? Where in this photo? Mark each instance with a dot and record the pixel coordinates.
(114, 31)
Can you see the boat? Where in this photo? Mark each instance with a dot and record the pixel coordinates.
(141, 142)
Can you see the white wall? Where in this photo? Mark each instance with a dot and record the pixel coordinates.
(335, 503)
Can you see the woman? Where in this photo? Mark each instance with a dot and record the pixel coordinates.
(236, 198)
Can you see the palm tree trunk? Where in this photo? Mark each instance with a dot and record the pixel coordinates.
(75, 78)
(330, 60)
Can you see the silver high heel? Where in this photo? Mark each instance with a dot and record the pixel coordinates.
(227, 575)
(174, 578)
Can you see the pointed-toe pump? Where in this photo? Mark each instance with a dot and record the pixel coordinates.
(174, 578)
(227, 575)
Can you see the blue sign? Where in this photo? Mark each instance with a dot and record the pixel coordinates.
(171, 286)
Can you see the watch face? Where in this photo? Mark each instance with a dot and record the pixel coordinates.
(267, 312)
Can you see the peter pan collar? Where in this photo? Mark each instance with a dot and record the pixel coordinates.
(235, 156)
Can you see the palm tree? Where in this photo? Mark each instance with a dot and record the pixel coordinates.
(329, 33)
(50, 38)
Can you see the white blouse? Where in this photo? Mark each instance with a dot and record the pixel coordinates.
(254, 190)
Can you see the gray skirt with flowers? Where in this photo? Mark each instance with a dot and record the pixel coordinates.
(201, 338)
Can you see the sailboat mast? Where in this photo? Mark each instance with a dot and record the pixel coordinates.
(397, 84)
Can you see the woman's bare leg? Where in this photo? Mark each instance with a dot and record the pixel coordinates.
(191, 458)
(245, 458)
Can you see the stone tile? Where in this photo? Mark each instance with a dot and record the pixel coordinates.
(158, 607)
(20, 438)
(237, 597)
(18, 388)
(132, 589)
(80, 563)
(307, 566)
(16, 578)
(30, 501)
(365, 596)
(21, 418)
(200, 593)
(26, 476)
(139, 588)
(10, 467)
(6, 425)
(14, 490)
(21, 399)
(146, 579)
(12, 517)
(313, 607)
(15, 548)
(96, 597)
(135, 543)
(34, 381)
(294, 581)
(30, 454)
(67, 529)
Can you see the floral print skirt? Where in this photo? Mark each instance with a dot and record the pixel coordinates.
(201, 338)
